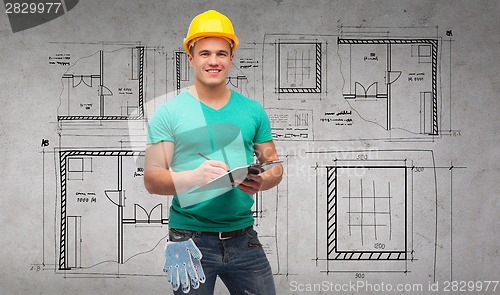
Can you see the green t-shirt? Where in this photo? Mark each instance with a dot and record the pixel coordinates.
(227, 135)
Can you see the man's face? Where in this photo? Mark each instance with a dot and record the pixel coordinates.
(211, 59)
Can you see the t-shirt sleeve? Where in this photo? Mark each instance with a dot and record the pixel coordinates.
(263, 133)
(160, 127)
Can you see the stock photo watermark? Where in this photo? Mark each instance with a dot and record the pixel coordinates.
(25, 15)
(368, 287)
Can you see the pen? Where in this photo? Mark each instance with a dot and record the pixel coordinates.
(229, 171)
(202, 155)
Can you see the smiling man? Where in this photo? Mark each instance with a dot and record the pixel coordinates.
(211, 232)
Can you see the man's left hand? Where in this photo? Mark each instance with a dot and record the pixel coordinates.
(252, 184)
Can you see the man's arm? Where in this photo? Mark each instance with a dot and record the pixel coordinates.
(265, 152)
(159, 179)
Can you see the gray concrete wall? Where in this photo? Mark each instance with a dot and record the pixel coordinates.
(432, 133)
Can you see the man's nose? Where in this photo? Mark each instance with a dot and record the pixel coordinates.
(212, 59)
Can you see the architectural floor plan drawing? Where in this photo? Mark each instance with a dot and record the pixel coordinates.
(107, 225)
(299, 66)
(338, 210)
(366, 206)
(111, 83)
(394, 84)
(104, 210)
(366, 211)
(385, 114)
(392, 76)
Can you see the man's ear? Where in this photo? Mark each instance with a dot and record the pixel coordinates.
(190, 58)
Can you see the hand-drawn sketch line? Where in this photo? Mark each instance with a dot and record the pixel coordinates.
(424, 51)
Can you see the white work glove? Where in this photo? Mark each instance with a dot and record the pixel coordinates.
(183, 266)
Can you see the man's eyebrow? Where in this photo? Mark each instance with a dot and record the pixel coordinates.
(217, 51)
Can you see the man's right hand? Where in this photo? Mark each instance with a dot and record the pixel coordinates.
(209, 170)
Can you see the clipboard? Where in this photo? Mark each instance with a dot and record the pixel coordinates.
(236, 176)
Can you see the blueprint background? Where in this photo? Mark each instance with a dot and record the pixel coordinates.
(28, 112)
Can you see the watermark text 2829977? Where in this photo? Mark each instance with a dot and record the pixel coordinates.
(32, 8)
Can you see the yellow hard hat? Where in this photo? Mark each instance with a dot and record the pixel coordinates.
(210, 23)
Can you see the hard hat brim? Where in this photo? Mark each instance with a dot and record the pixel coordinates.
(232, 37)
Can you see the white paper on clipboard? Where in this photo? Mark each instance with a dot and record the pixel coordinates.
(236, 176)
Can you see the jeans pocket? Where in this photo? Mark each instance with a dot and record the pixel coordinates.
(253, 238)
(251, 232)
(177, 235)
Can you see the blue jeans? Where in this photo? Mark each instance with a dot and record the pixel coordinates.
(240, 262)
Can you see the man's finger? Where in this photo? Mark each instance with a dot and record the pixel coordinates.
(218, 164)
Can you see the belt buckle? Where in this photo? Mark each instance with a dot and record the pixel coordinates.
(223, 238)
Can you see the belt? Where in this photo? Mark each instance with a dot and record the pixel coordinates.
(228, 234)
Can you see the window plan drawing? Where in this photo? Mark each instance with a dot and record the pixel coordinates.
(299, 68)
(366, 204)
(367, 212)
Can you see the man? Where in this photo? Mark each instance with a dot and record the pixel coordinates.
(195, 138)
